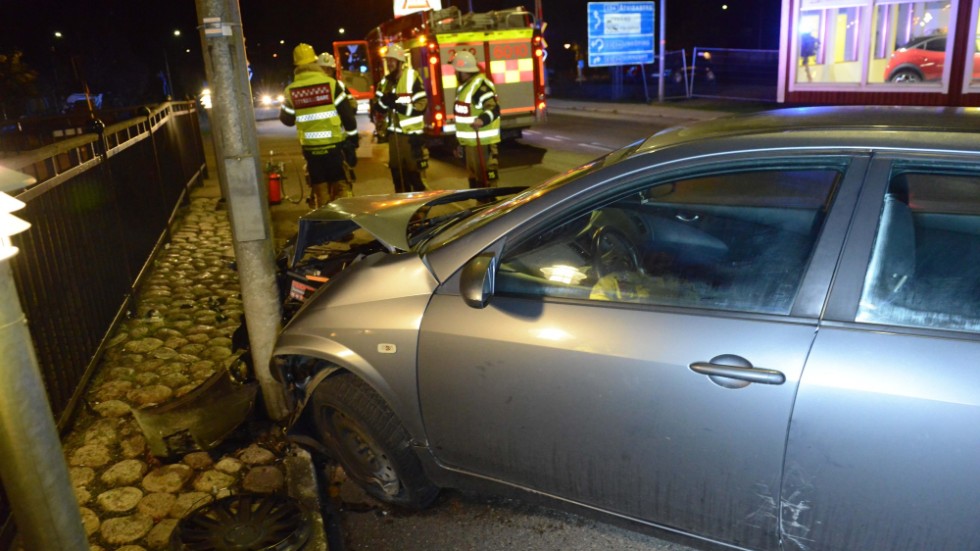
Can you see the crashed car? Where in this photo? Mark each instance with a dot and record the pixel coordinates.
(760, 331)
(332, 238)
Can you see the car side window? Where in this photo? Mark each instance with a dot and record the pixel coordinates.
(925, 265)
(734, 241)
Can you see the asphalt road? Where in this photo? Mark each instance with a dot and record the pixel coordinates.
(471, 522)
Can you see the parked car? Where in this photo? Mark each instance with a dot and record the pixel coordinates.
(923, 60)
(762, 331)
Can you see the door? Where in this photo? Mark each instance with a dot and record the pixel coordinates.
(641, 354)
(885, 436)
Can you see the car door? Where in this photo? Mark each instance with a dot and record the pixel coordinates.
(884, 442)
(641, 351)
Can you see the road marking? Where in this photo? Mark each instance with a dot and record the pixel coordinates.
(554, 139)
(596, 146)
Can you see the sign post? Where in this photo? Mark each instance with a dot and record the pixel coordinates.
(620, 33)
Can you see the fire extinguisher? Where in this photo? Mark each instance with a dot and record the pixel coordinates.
(275, 187)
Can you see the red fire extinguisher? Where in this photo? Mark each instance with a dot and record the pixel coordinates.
(275, 187)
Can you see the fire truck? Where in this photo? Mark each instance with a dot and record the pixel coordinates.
(507, 45)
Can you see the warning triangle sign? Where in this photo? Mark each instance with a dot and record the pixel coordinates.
(405, 7)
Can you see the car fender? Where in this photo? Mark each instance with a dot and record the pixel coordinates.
(903, 66)
(364, 323)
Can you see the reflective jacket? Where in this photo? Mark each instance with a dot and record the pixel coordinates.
(477, 99)
(318, 106)
(406, 114)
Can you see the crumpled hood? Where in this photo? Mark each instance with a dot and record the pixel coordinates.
(385, 217)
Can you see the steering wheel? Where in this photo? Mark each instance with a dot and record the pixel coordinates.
(613, 252)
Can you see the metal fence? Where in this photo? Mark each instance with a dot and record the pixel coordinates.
(726, 73)
(102, 205)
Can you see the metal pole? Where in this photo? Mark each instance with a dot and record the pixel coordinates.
(32, 462)
(233, 124)
(168, 90)
(663, 48)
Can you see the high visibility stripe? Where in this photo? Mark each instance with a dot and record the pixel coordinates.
(481, 133)
(404, 100)
(465, 120)
(409, 121)
(452, 39)
(316, 116)
(289, 110)
(317, 135)
(339, 98)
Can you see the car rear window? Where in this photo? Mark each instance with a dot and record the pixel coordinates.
(925, 265)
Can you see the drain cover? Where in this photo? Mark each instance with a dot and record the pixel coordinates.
(244, 522)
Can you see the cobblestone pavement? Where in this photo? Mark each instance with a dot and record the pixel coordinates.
(176, 338)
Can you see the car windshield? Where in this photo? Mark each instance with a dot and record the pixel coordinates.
(462, 226)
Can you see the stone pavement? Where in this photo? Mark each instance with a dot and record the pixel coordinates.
(177, 340)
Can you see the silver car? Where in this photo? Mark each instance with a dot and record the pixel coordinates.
(761, 331)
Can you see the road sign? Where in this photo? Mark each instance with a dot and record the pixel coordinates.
(620, 33)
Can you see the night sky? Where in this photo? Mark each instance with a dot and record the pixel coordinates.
(123, 46)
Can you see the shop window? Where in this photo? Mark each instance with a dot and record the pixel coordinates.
(873, 42)
(974, 63)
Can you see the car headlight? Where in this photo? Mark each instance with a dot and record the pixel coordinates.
(266, 100)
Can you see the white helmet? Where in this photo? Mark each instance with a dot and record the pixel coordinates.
(465, 62)
(326, 60)
(395, 52)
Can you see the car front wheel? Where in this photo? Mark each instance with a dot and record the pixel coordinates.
(364, 435)
(906, 75)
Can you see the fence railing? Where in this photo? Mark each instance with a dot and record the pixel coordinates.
(709, 72)
(102, 205)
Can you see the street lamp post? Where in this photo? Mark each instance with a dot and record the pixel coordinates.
(32, 462)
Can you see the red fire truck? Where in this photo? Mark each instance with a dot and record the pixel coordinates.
(507, 45)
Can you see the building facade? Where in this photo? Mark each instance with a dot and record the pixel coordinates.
(880, 52)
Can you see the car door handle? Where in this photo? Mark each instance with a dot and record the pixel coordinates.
(731, 371)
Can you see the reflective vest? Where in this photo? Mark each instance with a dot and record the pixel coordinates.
(408, 90)
(468, 108)
(310, 98)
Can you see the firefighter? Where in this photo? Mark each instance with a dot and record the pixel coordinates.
(477, 113)
(317, 105)
(328, 64)
(401, 98)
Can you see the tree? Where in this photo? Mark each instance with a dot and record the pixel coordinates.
(17, 85)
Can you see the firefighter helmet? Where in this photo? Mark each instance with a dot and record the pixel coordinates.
(395, 52)
(303, 54)
(465, 62)
(326, 60)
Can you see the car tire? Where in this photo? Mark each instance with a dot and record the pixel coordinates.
(363, 434)
(905, 76)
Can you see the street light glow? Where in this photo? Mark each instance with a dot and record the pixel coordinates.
(176, 32)
(57, 34)
(341, 30)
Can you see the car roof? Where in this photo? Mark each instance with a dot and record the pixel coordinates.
(948, 125)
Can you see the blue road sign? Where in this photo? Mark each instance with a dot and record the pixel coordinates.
(620, 33)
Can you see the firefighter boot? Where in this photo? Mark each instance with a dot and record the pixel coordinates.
(340, 189)
(396, 178)
(321, 194)
(415, 181)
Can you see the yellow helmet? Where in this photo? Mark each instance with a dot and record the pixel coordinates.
(303, 54)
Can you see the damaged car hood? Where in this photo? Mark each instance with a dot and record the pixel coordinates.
(385, 217)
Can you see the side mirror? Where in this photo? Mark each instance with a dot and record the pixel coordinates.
(476, 281)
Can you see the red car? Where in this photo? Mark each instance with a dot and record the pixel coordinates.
(922, 60)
